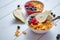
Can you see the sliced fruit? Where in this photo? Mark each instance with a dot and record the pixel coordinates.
(18, 15)
(43, 16)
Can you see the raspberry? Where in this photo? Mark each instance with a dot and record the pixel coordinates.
(35, 23)
(34, 19)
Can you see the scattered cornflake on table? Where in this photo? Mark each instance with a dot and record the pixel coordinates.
(17, 31)
(24, 32)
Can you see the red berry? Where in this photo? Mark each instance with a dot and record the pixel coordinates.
(29, 12)
(35, 23)
(31, 21)
(31, 5)
(27, 5)
(34, 19)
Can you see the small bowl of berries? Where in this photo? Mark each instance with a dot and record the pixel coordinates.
(37, 26)
(34, 7)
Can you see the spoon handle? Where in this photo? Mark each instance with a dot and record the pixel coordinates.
(58, 17)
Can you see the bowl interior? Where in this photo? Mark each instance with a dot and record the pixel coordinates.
(32, 28)
(38, 8)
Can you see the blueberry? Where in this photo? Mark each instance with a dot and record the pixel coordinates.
(32, 16)
(58, 36)
(54, 15)
(18, 27)
(18, 6)
(27, 8)
(28, 21)
(51, 13)
(30, 8)
(33, 9)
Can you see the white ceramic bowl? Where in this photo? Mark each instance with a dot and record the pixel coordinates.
(36, 31)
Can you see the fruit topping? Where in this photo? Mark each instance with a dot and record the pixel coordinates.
(27, 8)
(33, 21)
(58, 36)
(18, 27)
(54, 15)
(51, 13)
(28, 21)
(27, 5)
(30, 8)
(32, 16)
(29, 12)
(34, 7)
(18, 6)
(43, 16)
(36, 23)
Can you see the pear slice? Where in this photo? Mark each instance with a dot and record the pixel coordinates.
(43, 16)
(19, 15)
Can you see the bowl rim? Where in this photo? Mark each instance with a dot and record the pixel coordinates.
(35, 1)
(38, 2)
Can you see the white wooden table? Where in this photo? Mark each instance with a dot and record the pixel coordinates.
(8, 24)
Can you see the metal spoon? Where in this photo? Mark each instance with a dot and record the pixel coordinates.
(58, 17)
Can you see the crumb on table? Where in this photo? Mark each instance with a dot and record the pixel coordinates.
(24, 32)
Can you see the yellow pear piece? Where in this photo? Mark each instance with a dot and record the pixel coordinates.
(19, 15)
(43, 16)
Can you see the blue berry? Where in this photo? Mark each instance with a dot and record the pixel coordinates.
(18, 6)
(33, 9)
(18, 27)
(32, 16)
(54, 15)
(30, 8)
(28, 21)
(27, 8)
(51, 13)
(58, 36)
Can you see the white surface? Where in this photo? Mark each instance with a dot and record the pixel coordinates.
(8, 23)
